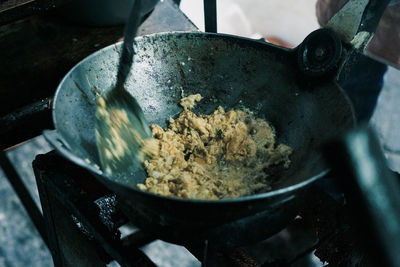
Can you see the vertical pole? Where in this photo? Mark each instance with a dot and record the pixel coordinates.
(210, 15)
(48, 215)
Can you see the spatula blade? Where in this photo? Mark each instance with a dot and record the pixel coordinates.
(120, 131)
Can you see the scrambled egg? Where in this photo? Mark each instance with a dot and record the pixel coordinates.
(223, 155)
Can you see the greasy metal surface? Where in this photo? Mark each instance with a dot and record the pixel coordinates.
(227, 71)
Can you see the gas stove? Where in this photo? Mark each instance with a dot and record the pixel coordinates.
(85, 224)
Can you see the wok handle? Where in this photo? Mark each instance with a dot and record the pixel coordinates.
(356, 22)
(372, 15)
(56, 141)
(372, 191)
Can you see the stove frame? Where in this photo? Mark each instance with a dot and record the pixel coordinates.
(69, 195)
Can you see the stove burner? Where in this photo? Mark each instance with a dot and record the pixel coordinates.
(66, 190)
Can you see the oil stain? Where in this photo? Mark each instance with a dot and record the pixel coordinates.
(84, 95)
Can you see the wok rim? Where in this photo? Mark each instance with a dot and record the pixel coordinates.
(269, 194)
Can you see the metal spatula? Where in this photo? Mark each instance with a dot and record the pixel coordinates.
(120, 124)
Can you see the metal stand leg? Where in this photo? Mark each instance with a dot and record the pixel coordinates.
(210, 15)
(62, 195)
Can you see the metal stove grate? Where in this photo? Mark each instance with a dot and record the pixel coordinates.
(83, 221)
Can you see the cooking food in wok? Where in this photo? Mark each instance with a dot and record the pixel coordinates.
(231, 72)
(225, 154)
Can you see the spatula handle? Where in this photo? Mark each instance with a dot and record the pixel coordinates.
(127, 53)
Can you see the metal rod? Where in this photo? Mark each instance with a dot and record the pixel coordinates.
(210, 15)
(24, 195)
(25, 123)
(205, 251)
(137, 239)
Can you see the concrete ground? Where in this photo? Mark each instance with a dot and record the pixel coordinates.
(20, 244)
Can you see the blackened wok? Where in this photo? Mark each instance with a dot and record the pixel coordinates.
(227, 71)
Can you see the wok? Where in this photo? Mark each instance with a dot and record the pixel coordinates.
(284, 86)
(292, 89)
(229, 71)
